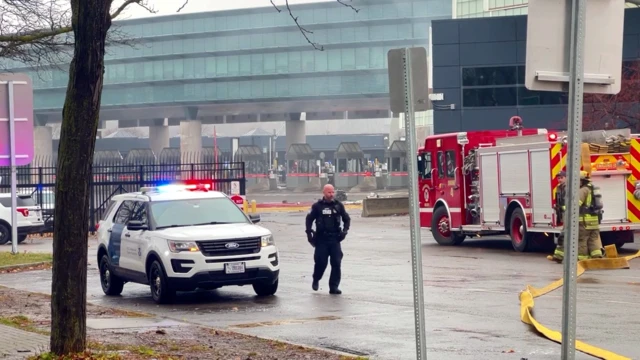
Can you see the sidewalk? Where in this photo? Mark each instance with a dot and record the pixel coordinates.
(18, 344)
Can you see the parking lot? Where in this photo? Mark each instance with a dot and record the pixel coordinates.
(471, 294)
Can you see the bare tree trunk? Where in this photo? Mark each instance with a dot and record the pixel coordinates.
(90, 21)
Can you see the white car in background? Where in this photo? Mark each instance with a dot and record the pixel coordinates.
(29, 217)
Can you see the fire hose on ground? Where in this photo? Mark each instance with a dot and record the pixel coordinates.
(611, 262)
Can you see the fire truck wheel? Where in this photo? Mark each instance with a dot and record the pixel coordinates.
(441, 229)
(520, 240)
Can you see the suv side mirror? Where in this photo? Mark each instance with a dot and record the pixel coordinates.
(135, 225)
(255, 218)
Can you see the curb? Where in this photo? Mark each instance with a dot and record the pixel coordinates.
(22, 266)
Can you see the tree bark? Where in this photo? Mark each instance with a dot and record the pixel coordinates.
(80, 115)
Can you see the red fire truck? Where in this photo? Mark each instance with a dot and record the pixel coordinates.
(503, 182)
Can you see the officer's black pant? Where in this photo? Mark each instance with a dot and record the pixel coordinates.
(324, 251)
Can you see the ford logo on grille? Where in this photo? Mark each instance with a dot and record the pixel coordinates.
(232, 245)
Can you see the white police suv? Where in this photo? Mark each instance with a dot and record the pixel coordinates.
(181, 238)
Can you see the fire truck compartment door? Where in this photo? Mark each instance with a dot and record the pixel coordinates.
(514, 172)
(541, 187)
(614, 196)
(490, 196)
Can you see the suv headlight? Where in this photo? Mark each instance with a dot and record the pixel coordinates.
(181, 246)
(268, 240)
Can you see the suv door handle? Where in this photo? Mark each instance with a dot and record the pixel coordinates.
(127, 235)
(109, 230)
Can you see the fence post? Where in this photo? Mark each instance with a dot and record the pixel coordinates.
(243, 181)
(92, 206)
(40, 187)
(193, 172)
(141, 176)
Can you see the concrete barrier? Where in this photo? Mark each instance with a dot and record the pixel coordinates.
(396, 205)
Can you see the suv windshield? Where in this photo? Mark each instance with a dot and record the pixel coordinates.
(189, 212)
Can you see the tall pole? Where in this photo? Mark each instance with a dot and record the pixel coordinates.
(576, 88)
(416, 240)
(14, 170)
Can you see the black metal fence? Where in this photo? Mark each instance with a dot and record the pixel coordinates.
(113, 175)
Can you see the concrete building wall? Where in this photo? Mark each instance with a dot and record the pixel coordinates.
(479, 65)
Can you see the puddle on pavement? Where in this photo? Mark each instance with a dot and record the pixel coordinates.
(588, 280)
(284, 322)
(130, 323)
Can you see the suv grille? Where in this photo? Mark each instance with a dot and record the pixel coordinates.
(220, 247)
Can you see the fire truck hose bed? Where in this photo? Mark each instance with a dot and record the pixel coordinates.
(388, 206)
(611, 262)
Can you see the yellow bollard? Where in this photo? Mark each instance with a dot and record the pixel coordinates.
(254, 206)
(245, 206)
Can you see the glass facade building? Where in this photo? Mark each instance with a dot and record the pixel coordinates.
(253, 54)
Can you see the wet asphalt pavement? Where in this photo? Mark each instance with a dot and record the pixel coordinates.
(471, 292)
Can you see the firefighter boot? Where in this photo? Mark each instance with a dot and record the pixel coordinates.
(597, 254)
(558, 255)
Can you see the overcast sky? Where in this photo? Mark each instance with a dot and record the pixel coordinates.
(168, 7)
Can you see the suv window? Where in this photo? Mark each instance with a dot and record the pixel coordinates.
(108, 209)
(140, 213)
(124, 212)
(189, 212)
(23, 201)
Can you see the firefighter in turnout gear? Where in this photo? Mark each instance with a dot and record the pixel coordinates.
(590, 205)
(326, 239)
(561, 208)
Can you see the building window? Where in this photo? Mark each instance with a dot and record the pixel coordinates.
(489, 76)
(483, 97)
(503, 86)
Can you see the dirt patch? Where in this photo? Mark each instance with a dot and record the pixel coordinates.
(31, 312)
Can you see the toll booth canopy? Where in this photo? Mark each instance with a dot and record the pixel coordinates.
(107, 157)
(140, 157)
(349, 157)
(253, 158)
(169, 156)
(397, 156)
(301, 159)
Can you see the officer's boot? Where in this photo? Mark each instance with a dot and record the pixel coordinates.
(315, 285)
(335, 291)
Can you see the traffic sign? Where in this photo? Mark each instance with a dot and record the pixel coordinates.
(238, 199)
(16, 101)
(548, 46)
(235, 188)
(419, 79)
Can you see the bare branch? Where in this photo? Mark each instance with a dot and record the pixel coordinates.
(341, 2)
(39, 33)
(303, 30)
(183, 5)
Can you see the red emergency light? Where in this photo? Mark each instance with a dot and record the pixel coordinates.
(552, 137)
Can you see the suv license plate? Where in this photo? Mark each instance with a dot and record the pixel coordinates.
(234, 268)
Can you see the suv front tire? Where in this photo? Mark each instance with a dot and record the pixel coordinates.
(161, 292)
(265, 288)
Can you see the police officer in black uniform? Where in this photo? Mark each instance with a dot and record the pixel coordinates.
(326, 240)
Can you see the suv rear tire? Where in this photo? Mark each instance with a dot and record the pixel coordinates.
(111, 284)
(161, 291)
(265, 289)
(5, 233)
